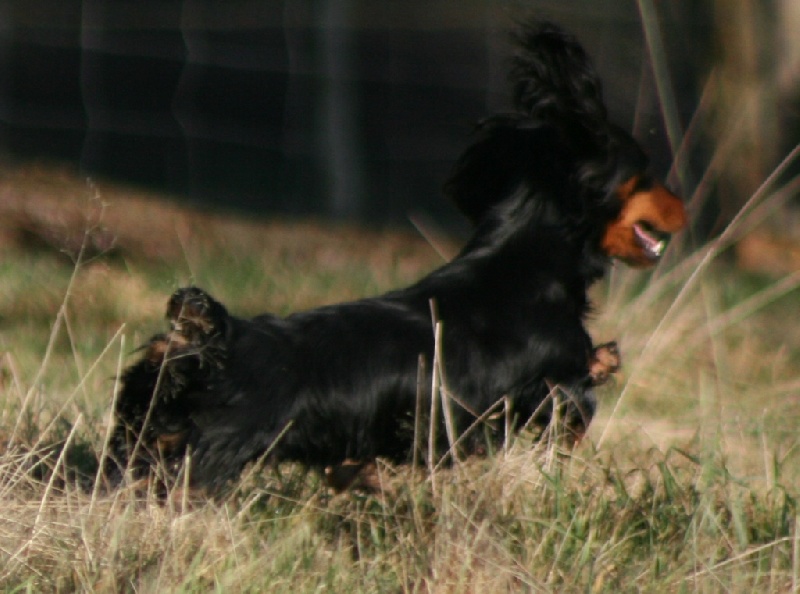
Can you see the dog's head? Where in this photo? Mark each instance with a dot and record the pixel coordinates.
(637, 213)
(559, 163)
(649, 214)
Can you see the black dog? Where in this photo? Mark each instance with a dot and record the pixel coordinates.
(554, 191)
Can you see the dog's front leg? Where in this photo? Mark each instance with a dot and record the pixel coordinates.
(604, 361)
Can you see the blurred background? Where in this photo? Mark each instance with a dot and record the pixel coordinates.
(355, 109)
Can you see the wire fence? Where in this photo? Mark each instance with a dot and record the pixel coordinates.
(338, 108)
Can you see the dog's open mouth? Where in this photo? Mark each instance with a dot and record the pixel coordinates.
(652, 241)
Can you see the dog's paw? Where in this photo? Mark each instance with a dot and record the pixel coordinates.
(605, 360)
(194, 315)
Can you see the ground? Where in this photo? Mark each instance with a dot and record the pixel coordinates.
(687, 479)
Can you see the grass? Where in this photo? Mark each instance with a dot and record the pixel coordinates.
(688, 480)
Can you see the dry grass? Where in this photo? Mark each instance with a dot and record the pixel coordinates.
(688, 480)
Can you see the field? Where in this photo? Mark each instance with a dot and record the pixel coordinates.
(688, 480)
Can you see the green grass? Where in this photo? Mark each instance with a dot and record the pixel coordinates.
(688, 480)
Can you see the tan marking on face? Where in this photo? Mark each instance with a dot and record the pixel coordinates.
(656, 207)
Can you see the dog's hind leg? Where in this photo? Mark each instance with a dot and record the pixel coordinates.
(131, 410)
(153, 410)
(194, 317)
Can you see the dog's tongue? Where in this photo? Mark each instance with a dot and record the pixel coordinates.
(653, 245)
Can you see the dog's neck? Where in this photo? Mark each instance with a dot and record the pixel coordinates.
(524, 266)
(530, 232)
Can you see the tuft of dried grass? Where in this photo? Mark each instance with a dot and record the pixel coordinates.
(687, 479)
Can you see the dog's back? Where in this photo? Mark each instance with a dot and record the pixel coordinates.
(554, 191)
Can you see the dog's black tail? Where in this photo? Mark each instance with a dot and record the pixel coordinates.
(553, 78)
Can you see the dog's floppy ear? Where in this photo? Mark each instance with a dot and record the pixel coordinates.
(510, 155)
